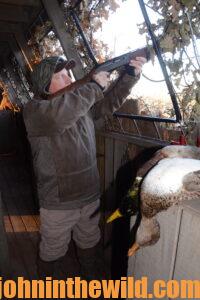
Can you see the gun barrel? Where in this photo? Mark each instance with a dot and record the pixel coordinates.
(123, 59)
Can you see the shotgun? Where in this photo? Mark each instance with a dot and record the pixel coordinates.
(122, 60)
(108, 66)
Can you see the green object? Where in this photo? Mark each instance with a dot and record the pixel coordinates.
(43, 73)
(129, 205)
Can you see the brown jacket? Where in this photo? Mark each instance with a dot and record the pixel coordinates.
(62, 137)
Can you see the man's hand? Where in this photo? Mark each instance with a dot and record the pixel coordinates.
(102, 78)
(137, 64)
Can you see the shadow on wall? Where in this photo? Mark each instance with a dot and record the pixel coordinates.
(15, 153)
(121, 236)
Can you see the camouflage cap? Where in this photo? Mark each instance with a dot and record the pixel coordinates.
(43, 72)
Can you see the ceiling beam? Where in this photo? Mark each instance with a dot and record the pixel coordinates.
(17, 32)
(57, 18)
(7, 27)
(17, 14)
(10, 38)
(33, 3)
(25, 49)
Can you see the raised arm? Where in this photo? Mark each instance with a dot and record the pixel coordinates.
(116, 95)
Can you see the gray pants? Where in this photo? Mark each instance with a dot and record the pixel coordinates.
(57, 226)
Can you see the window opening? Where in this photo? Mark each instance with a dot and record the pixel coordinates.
(182, 18)
(158, 52)
(43, 39)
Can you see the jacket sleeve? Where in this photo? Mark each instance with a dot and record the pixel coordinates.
(115, 96)
(61, 112)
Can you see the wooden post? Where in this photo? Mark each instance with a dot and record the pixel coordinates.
(57, 18)
(5, 79)
(19, 56)
(23, 92)
(16, 32)
(10, 39)
(25, 50)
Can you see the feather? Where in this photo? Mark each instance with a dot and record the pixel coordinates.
(171, 180)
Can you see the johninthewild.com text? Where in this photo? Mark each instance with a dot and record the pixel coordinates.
(126, 287)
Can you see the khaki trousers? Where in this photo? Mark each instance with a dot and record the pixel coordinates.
(57, 227)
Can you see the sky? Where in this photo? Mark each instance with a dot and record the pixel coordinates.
(120, 32)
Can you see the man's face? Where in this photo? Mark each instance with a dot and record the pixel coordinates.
(59, 81)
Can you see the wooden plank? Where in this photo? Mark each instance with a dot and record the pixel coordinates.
(19, 56)
(26, 242)
(144, 142)
(30, 223)
(25, 205)
(5, 267)
(37, 220)
(6, 219)
(14, 251)
(10, 39)
(107, 199)
(7, 13)
(7, 224)
(17, 31)
(27, 251)
(57, 18)
(18, 86)
(100, 142)
(17, 263)
(25, 49)
(119, 151)
(32, 229)
(16, 221)
(101, 168)
(6, 80)
(23, 223)
(109, 162)
(101, 160)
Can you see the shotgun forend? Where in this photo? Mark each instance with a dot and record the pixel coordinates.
(123, 59)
